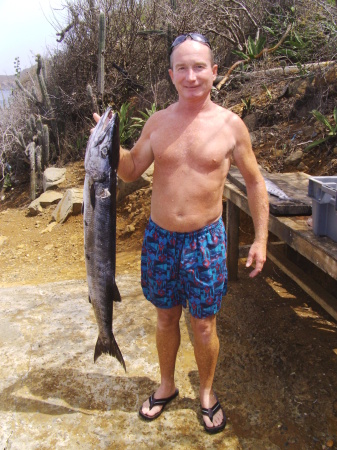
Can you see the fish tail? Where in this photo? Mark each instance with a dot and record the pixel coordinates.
(111, 348)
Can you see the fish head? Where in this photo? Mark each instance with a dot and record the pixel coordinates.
(101, 150)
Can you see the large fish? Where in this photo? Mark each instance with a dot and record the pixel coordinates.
(99, 218)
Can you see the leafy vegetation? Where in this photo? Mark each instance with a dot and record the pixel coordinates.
(138, 37)
(126, 130)
(139, 122)
(331, 129)
(254, 48)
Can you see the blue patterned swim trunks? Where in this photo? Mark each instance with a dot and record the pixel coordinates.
(185, 266)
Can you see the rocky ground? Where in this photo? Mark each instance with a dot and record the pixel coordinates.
(278, 361)
(277, 367)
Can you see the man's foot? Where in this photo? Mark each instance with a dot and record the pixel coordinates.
(153, 407)
(214, 418)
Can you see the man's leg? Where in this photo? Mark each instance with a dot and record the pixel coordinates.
(206, 350)
(168, 341)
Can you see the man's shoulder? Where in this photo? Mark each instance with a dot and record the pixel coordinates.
(224, 112)
(232, 119)
(160, 115)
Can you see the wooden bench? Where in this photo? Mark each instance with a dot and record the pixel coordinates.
(291, 230)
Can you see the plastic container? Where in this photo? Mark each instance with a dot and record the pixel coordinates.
(322, 190)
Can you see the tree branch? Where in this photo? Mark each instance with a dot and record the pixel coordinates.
(262, 53)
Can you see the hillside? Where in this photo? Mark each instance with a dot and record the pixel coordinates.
(7, 82)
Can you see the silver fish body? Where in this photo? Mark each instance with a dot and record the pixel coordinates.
(99, 221)
(273, 189)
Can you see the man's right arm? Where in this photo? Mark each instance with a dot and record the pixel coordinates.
(134, 162)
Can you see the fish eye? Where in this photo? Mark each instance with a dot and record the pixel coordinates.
(104, 152)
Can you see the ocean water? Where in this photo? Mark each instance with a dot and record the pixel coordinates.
(4, 94)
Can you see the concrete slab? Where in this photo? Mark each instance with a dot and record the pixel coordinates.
(53, 396)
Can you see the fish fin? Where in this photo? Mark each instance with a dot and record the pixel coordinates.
(92, 196)
(115, 294)
(111, 348)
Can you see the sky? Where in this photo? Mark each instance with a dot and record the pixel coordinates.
(25, 31)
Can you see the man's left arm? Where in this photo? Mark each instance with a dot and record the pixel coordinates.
(245, 160)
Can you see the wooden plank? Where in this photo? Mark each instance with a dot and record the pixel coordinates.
(321, 251)
(315, 290)
(295, 185)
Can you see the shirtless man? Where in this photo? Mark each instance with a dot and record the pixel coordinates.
(192, 143)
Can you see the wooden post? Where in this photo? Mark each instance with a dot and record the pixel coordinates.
(232, 228)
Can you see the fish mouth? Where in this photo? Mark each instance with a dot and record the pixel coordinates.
(104, 127)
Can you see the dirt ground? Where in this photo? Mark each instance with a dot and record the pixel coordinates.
(278, 347)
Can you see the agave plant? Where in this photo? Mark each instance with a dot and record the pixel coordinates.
(126, 130)
(253, 48)
(139, 122)
(332, 129)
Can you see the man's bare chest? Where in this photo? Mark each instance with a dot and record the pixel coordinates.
(194, 146)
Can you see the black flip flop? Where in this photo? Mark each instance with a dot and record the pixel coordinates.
(157, 402)
(210, 412)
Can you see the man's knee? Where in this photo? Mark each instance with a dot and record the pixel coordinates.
(168, 318)
(204, 329)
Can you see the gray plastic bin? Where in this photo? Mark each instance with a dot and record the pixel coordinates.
(322, 190)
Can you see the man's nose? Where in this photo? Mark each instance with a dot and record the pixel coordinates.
(190, 75)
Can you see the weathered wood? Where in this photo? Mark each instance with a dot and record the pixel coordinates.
(295, 185)
(295, 231)
(277, 71)
(322, 251)
(315, 290)
(232, 228)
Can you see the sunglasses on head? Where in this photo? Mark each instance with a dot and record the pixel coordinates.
(194, 36)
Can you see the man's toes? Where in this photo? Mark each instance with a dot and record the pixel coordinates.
(208, 422)
(150, 412)
(218, 418)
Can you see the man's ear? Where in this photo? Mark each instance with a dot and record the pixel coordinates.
(215, 71)
(170, 71)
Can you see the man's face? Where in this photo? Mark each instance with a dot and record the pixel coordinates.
(192, 71)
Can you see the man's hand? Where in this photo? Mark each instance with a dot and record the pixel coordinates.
(256, 253)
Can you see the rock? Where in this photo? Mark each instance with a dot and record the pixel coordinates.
(71, 203)
(46, 199)
(49, 198)
(125, 189)
(49, 228)
(35, 208)
(302, 167)
(52, 177)
(2, 240)
(130, 229)
(250, 121)
(253, 138)
(294, 158)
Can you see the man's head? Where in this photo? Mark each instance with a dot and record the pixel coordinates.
(194, 37)
(192, 68)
